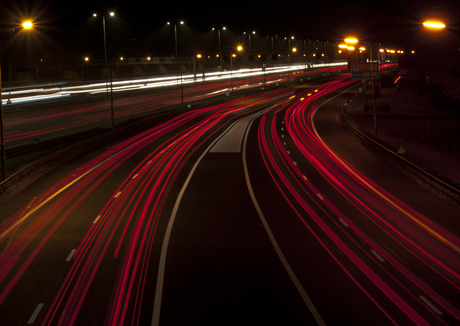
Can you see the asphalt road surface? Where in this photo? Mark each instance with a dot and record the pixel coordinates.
(262, 210)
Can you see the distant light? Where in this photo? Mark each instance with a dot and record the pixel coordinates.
(413, 52)
(94, 15)
(182, 22)
(362, 48)
(112, 14)
(434, 24)
(381, 50)
(351, 48)
(168, 23)
(343, 46)
(121, 58)
(198, 56)
(253, 32)
(148, 58)
(239, 48)
(224, 28)
(27, 24)
(234, 55)
(294, 49)
(292, 37)
(86, 59)
(351, 40)
(340, 51)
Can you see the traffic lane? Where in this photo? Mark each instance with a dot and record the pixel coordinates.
(70, 235)
(334, 132)
(90, 313)
(340, 291)
(417, 271)
(44, 276)
(221, 267)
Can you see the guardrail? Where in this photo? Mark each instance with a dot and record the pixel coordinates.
(433, 180)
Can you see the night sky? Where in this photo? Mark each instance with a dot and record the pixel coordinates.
(67, 30)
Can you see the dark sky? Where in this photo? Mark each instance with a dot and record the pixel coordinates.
(66, 30)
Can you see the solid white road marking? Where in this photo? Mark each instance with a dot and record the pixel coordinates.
(167, 236)
(69, 257)
(275, 245)
(429, 304)
(376, 254)
(35, 314)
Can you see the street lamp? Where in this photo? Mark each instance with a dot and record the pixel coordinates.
(220, 51)
(110, 14)
(353, 40)
(175, 33)
(25, 25)
(294, 50)
(434, 24)
(239, 48)
(250, 47)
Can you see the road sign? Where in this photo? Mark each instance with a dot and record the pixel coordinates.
(362, 70)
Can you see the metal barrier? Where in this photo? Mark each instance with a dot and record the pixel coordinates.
(435, 181)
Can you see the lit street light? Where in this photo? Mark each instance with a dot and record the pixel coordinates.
(353, 40)
(110, 14)
(433, 24)
(25, 25)
(294, 50)
(175, 34)
(220, 50)
(233, 55)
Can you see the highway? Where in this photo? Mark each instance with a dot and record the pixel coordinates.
(260, 210)
(40, 114)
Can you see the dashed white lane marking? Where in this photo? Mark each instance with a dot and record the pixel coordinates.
(429, 304)
(69, 257)
(304, 177)
(289, 152)
(118, 194)
(35, 314)
(97, 219)
(375, 253)
(343, 222)
(135, 176)
(320, 197)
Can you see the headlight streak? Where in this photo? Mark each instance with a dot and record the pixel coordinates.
(300, 128)
(129, 85)
(155, 176)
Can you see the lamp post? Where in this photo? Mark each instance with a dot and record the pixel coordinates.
(249, 35)
(175, 34)
(294, 50)
(220, 49)
(25, 25)
(232, 55)
(110, 14)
